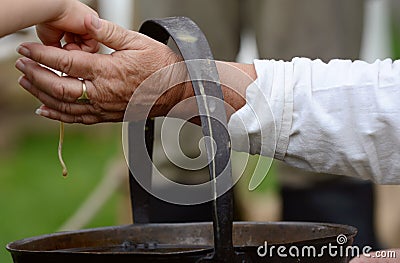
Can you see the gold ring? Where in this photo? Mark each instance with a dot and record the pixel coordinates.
(84, 97)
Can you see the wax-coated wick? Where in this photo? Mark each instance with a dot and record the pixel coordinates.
(60, 144)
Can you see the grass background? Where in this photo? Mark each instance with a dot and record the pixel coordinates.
(34, 197)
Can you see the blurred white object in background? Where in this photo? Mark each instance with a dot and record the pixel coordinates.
(248, 47)
(376, 43)
(10, 42)
(118, 11)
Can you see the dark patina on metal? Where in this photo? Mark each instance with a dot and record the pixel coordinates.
(187, 242)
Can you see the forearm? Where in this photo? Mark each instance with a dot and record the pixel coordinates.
(234, 79)
(19, 14)
(339, 118)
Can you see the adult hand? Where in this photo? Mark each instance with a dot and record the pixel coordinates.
(383, 256)
(110, 79)
(70, 25)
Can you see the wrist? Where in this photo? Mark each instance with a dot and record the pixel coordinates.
(234, 79)
(70, 15)
(63, 7)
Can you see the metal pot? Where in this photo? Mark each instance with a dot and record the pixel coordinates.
(186, 242)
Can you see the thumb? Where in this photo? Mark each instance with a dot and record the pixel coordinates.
(110, 34)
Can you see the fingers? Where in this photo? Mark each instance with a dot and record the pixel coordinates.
(50, 36)
(73, 63)
(91, 46)
(70, 108)
(81, 42)
(59, 94)
(114, 36)
(56, 92)
(84, 118)
(63, 88)
(65, 117)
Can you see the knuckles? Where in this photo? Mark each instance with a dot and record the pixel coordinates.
(64, 63)
(59, 90)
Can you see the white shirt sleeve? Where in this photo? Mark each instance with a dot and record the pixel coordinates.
(342, 117)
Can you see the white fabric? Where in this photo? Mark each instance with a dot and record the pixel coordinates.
(342, 117)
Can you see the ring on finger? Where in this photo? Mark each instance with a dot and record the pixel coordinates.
(84, 98)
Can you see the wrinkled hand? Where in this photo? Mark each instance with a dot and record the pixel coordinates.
(70, 26)
(110, 79)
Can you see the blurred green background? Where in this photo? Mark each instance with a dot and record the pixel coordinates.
(34, 197)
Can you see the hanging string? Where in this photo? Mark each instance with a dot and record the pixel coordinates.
(60, 145)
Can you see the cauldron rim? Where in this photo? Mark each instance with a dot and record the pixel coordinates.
(348, 231)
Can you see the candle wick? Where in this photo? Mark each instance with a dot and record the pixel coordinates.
(60, 144)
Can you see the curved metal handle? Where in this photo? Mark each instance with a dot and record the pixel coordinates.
(193, 45)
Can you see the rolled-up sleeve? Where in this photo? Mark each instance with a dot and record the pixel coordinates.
(340, 117)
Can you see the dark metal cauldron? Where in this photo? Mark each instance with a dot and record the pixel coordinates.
(217, 241)
(178, 243)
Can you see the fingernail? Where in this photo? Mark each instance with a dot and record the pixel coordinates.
(96, 22)
(41, 112)
(20, 65)
(23, 51)
(24, 82)
(38, 112)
